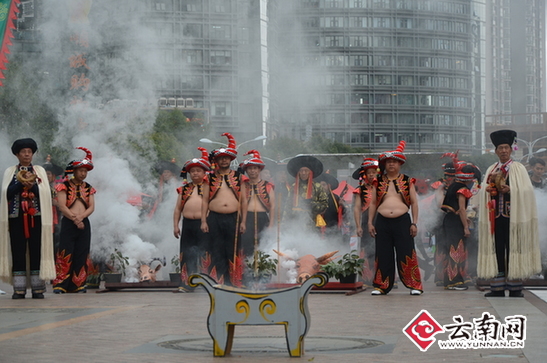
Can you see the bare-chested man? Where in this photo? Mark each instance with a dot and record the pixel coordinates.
(76, 202)
(224, 215)
(260, 203)
(193, 242)
(394, 230)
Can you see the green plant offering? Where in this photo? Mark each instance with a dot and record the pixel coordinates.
(263, 266)
(175, 261)
(349, 264)
(118, 262)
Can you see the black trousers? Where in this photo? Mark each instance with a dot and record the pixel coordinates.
(19, 245)
(393, 236)
(256, 223)
(193, 246)
(222, 239)
(71, 259)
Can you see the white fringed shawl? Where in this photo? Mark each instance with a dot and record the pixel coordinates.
(524, 252)
(47, 262)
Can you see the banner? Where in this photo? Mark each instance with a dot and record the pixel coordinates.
(8, 13)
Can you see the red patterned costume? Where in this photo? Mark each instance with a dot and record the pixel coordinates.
(75, 239)
(395, 233)
(455, 228)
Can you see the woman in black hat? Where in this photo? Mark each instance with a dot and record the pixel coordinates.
(306, 199)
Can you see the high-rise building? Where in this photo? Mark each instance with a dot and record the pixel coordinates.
(367, 73)
(515, 39)
(380, 71)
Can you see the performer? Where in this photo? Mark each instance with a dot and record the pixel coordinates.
(436, 229)
(306, 200)
(508, 225)
(366, 175)
(52, 171)
(456, 225)
(168, 171)
(224, 215)
(26, 224)
(334, 214)
(260, 204)
(194, 243)
(394, 229)
(76, 202)
(538, 168)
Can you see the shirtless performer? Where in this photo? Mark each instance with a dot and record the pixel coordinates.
(224, 215)
(76, 202)
(260, 203)
(193, 242)
(394, 229)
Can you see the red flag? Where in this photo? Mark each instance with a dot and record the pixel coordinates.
(7, 25)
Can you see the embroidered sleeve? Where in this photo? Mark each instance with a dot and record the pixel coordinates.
(179, 190)
(356, 190)
(92, 191)
(60, 187)
(412, 181)
(465, 192)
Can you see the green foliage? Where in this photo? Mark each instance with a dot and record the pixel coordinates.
(265, 266)
(117, 262)
(175, 136)
(349, 264)
(175, 261)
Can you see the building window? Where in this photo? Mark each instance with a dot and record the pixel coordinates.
(359, 80)
(221, 57)
(220, 32)
(382, 22)
(385, 137)
(382, 99)
(220, 108)
(359, 118)
(359, 60)
(192, 56)
(192, 30)
(382, 80)
(221, 6)
(335, 60)
(191, 5)
(358, 22)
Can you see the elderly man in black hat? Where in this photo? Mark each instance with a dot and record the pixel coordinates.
(306, 199)
(508, 223)
(26, 224)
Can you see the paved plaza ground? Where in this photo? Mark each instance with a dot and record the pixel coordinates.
(161, 326)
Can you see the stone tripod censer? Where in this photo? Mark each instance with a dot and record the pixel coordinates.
(232, 306)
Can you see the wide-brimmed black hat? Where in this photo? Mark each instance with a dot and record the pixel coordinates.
(307, 161)
(53, 168)
(329, 179)
(503, 137)
(167, 165)
(21, 144)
